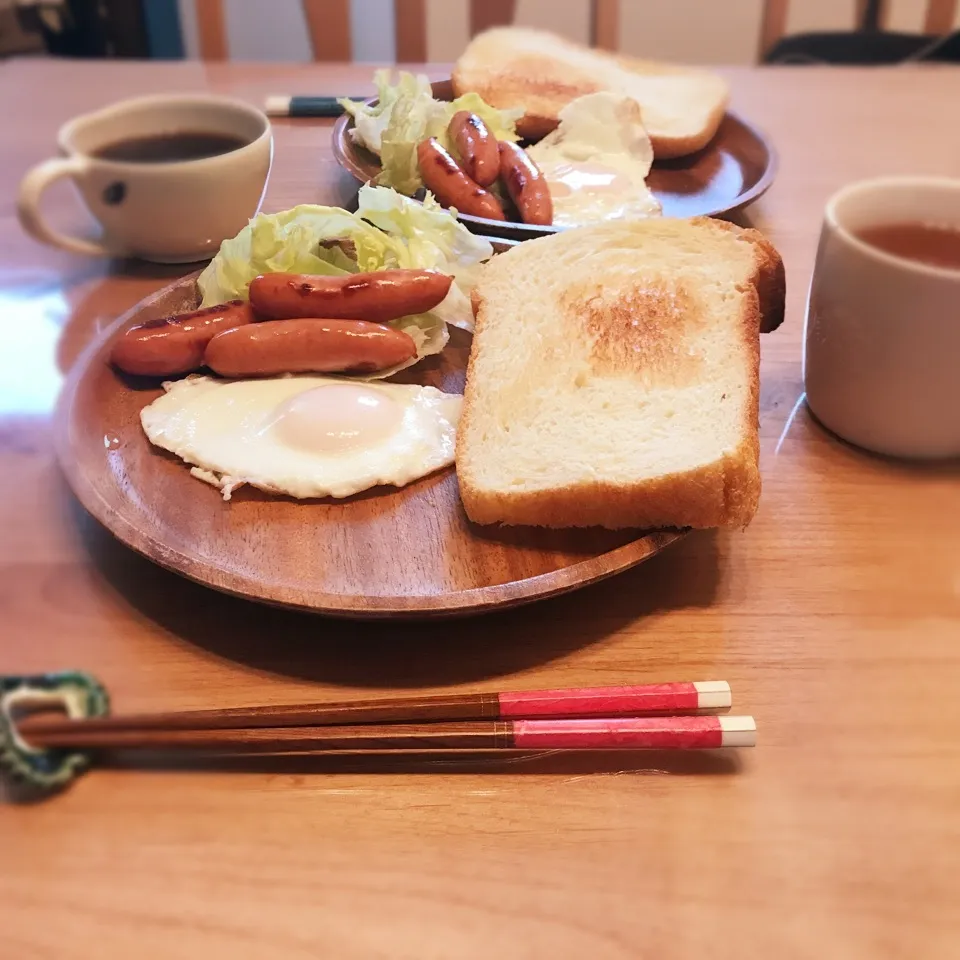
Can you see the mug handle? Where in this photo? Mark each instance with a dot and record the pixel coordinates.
(28, 206)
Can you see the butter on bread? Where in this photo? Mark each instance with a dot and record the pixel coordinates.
(614, 377)
(541, 73)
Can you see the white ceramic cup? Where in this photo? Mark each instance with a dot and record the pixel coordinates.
(173, 212)
(882, 351)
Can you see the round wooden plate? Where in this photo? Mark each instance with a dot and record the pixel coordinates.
(735, 168)
(384, 553)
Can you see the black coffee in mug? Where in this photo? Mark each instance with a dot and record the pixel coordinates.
(172, 147)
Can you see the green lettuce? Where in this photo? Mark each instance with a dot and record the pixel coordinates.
(405, 115)
(370, 122)
(388, 231)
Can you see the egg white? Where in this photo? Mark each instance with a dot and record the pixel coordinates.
(228, 431)
(596, 162)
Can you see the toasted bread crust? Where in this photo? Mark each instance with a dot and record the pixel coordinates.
(770, 280)
(669, 148)
(723, 493)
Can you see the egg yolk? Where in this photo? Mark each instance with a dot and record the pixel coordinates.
(335, 418)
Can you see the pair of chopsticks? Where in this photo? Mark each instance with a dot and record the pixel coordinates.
(651, 716)
(279, 106)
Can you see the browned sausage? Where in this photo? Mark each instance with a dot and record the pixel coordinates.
(379, 297)
(477, 147)
(172, 345)
(308, 345)
(451, 186)
(526, 185)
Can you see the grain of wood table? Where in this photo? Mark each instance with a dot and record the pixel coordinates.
(836, 617)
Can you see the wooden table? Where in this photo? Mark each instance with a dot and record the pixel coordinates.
(836, 617)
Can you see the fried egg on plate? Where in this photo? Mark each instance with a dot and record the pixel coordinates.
(596, 162)
(304, 436)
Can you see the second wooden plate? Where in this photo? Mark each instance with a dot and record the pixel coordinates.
(384, 553)
(734, 169)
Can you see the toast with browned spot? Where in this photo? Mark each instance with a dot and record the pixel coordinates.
(614, 377)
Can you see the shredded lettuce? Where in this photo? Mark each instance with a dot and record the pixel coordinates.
(370, 122)
(388, 231)
(407, 114)
(398, 146)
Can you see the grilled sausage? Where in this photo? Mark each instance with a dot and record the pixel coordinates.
(477, 147)
(379, 297)
(308, 345)
(451, 186)
(172, 345)
(526, 185)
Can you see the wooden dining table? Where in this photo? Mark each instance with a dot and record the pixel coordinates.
(835, 617)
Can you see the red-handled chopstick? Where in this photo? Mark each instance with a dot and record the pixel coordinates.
(635, 701)
(612, 733)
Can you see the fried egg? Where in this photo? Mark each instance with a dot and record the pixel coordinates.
(596, 162)
(304, 436)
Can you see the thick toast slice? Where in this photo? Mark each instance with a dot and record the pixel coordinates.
(614, 377)
(541, 73)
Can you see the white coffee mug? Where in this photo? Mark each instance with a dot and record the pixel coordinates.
(882, 345)
(167, 212)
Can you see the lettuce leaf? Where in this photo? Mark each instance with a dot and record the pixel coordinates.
(387, 231)
(370, 122)
(293, 242)
(406, 115)
(408, 126)
(434, 238)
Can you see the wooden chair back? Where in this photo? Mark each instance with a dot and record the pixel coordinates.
(328, 23)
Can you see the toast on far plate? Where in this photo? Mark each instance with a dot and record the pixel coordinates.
(515, 67)
(614, 377)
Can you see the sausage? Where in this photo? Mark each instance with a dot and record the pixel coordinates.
(526, 185)
(451, 186)
(477, 147)
(308, 345)
(171, 345)
(379, 297)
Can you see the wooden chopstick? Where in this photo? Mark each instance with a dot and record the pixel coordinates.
(617, 733)
(708, 696)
